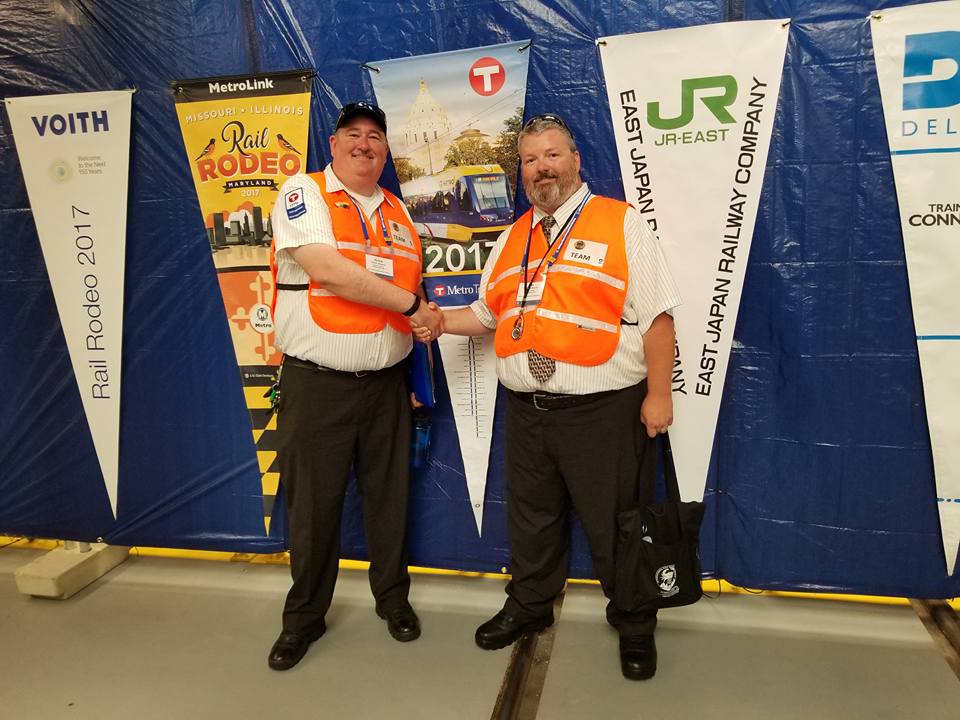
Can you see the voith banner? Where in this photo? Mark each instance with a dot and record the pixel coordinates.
(917, 52)
(692, 112)
(74, 150)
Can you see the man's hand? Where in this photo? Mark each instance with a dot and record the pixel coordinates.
(462, 321)
(656, 413)
(658, 347)
(427, 322)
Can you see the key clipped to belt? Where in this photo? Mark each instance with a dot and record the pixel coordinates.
(274, 394)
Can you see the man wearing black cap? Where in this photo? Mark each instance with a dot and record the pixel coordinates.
(347, 271)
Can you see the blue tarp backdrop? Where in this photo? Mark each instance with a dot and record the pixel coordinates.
(822, 475)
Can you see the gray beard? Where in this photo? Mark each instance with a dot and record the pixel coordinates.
(551, 196)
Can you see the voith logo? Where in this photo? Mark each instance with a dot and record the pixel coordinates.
(935, 57)
(717, 93)
(72, 123)
(487, 76)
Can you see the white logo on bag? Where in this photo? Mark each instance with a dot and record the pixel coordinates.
(666, 579)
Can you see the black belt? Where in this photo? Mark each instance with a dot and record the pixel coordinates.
(293, 286)
(557, 401)
(307, 365)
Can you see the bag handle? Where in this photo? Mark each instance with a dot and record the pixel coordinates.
(669, 469)
(669, 472)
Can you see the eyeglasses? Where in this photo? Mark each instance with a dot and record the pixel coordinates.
(547, 117)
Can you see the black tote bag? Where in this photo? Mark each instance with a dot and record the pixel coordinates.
(657, 556)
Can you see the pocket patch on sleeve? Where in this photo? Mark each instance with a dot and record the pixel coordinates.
(293, 202)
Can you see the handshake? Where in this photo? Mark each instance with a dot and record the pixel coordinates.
(427, 322)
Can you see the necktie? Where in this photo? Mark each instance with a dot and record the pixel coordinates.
(541, 366)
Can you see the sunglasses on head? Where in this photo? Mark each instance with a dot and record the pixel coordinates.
(350, 109)
(547, 117)
(362, 105)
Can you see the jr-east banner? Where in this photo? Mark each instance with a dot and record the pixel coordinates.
(693, 128)
(917, 53)
(243, 137)
(453, 120)
(74, 151)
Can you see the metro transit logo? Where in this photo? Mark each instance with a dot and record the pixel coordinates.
(487, 75)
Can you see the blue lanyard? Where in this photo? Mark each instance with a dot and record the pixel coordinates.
(363, 223)
(561, 240)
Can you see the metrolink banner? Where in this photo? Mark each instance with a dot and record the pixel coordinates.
(452, 122)
(75, 152)
(692, 112)
(917, 52)
(244, 136)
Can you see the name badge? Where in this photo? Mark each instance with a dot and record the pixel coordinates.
(534, 294)
(380, 266)
(400, 234)
(587, 252)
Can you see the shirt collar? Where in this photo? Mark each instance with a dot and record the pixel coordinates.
(334, 185)
(563, 212)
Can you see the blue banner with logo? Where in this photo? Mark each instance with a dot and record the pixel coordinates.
(822, 472)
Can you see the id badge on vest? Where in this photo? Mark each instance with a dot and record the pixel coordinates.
(534, 292)
(380, 266)
(587, 252)
(401, 235)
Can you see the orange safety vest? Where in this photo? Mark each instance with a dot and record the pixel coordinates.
(578, 318)
(337, 314)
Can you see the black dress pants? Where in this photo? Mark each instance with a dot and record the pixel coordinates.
(327, 422)
(598, 457)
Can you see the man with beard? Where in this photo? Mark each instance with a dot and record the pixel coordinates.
(578, 292)
(346, 262)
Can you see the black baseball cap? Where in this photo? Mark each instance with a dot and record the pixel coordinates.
(361, 109)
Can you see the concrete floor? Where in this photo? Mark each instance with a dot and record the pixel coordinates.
(170, 639)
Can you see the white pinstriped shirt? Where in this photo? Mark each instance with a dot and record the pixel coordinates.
(297, 334)
(650, 291)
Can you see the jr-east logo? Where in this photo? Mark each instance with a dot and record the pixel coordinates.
(715, 93)
(931, 84)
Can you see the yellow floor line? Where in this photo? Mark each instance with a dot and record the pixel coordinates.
(710, 587)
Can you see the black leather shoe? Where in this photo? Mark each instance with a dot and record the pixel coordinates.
(638, 657)
(402, 622)
(502, 629)
(290, 648)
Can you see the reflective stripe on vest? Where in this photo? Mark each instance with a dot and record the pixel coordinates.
(578, 317)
